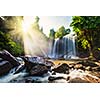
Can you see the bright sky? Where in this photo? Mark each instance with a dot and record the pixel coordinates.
(49, 22)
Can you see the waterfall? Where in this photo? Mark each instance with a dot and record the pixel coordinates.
(64, 47)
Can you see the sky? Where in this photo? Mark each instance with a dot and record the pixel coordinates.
(49, 22)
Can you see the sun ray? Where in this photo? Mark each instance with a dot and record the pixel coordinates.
(34, 41)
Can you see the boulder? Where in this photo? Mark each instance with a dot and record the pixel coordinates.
(19, 69)
(5, 55)
(29, 63)
(88, 63)
(49, 63)
(96, 69)
(63, 68)
(33, 59)
(38, 70)
(5, 67)
(51, 78)
(88, 68)
(78, 80)
(78, 66)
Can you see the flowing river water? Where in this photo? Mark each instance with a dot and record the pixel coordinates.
(20, 77)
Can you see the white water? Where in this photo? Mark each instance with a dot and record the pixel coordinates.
(64, 47)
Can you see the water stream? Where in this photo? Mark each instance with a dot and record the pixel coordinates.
(64, 47)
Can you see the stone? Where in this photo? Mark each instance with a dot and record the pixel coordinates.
(5, 67)
(19, 69)
(5, 55)
(38, 70)
(51, 78)
(92, 79)
(63, 68)
(78, 80)
(32, 64)
(88, 68)
(78, 66)
(49, 63)
(96, 69)
(88, 63)
(28, 63)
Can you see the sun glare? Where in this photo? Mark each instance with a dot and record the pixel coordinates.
(34, 41)
(27, 22)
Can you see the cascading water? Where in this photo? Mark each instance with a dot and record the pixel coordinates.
(64, 47)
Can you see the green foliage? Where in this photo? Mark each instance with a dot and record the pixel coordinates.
(7, 43)
(85, 44)
(15, 48)
(52, 34)
(59, 33)
(87, 29)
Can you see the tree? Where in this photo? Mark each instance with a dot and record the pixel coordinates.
(52, 34)
(67, 31)
(35, 24)
(87, 29)
(7, 43)
(62, 32)
(7, 27)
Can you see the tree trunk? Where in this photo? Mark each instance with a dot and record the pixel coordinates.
(90, 47)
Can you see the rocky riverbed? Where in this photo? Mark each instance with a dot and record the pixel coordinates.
(27, 69)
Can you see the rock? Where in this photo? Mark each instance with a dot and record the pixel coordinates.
(87, 63)
(92, 79)
(1, 59)
(63, 68)
(78, 80)
(80, 76)
(78, 66)
(39, 60)
(71, 65)
(96, 69)
(19, 69)
(88, 68)
(51, 78)
(5, 67)
(5, 55)
(49, 63)
(53, 73)
(38, 70)
(32, 64)
(28, 63)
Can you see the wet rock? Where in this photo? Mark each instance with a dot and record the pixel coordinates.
(51, 78)
(28, 63)
(78, 80)
(5, 55)
(39, 60)
(88, 68)
(78, 66)
(63, 68)
(71, 65)
(5, 67)
(80, 76)
(92, 79)
(53, 73)
(1, 59)
(19, 69)
(49, 63)
(96, 69)
(38, 70)
(34, 65)
(88, 63)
